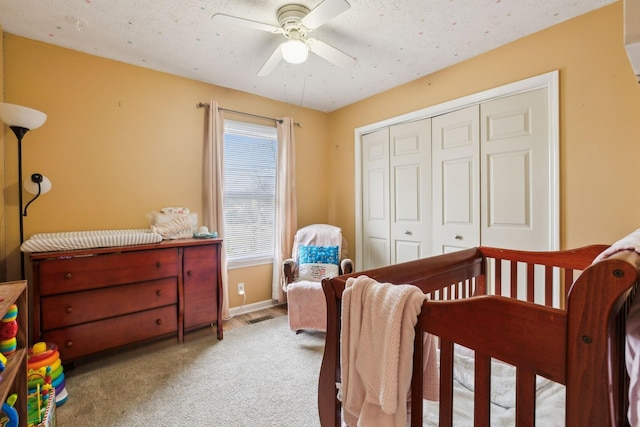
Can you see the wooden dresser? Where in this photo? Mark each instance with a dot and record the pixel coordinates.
(92, 300)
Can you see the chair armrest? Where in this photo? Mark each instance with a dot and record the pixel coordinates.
(288, 269)
(346, 265)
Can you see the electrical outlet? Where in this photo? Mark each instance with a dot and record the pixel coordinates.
(240, 288)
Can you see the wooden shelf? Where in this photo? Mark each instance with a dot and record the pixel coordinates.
(14, 376)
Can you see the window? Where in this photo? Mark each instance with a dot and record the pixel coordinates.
(250, 156)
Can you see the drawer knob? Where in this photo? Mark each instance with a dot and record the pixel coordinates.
(69, 309)
(158, 322)
(189, 273)
(68, 275)
(68, 344)
(158, 264)
(158, 292)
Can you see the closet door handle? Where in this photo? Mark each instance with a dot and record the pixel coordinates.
(408, 233)
(457, 237)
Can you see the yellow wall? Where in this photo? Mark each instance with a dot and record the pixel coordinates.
(121, 140)
(3, 233)
(599, 121)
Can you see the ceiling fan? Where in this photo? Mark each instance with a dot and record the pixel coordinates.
(295, 23)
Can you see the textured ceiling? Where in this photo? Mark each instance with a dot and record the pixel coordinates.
(394, 41)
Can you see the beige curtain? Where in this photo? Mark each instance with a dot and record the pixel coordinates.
(286, 207)
(212, 188)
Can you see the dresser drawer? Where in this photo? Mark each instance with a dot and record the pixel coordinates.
(81, 307)
(97, 271)
(88, 338)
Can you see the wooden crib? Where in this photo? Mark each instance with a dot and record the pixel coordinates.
(546, 313)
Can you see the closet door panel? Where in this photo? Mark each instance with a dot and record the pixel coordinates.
(375, 200)
(410, 196)
(516, 175)
(456, 176)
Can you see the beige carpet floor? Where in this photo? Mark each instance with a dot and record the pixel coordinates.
(260, 375)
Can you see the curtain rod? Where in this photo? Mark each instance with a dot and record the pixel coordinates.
(203, 105)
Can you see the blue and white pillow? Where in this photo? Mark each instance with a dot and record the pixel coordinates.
(318, 262)
(318, 255)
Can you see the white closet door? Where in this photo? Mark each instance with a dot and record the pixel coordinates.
(516, 172)
(410, 183)
(456, 180)
(375, 200)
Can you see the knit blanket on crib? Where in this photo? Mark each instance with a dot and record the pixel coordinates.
(377, 339)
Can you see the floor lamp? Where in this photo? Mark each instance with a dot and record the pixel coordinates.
(21, 120)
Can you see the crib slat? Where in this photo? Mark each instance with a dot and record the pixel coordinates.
(531, 282)
(415, 414)
(548, 286)
(513, 265)
(446, 383)
(480, 287)
(525, 398)
(498, 278)
(482, 390)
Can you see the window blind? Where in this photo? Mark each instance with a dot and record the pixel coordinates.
(250, 160)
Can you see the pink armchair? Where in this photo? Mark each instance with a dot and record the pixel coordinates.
(319, 251)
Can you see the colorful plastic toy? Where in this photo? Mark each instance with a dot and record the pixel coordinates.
(45, 368)
(38, 400)
(9, 415)
(8, 331)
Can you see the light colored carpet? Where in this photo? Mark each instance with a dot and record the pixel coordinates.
(258, 375)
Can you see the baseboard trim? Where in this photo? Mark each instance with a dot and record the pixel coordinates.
(261, 305)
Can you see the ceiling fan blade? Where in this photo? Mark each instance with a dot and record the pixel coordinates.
(272, 62)
(247, 23)
(331, 54)
(325, 11)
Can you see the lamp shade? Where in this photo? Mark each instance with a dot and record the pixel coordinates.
(24, 117)
(295, 51)
(31, 186)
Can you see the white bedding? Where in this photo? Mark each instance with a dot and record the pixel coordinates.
(73, 240)
(549, 409)
(550, 401)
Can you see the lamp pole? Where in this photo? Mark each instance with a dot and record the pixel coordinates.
(20, 132)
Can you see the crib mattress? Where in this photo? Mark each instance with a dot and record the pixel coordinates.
(73, 240)
(550, 396)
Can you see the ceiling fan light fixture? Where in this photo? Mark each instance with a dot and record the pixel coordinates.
(295, 51)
